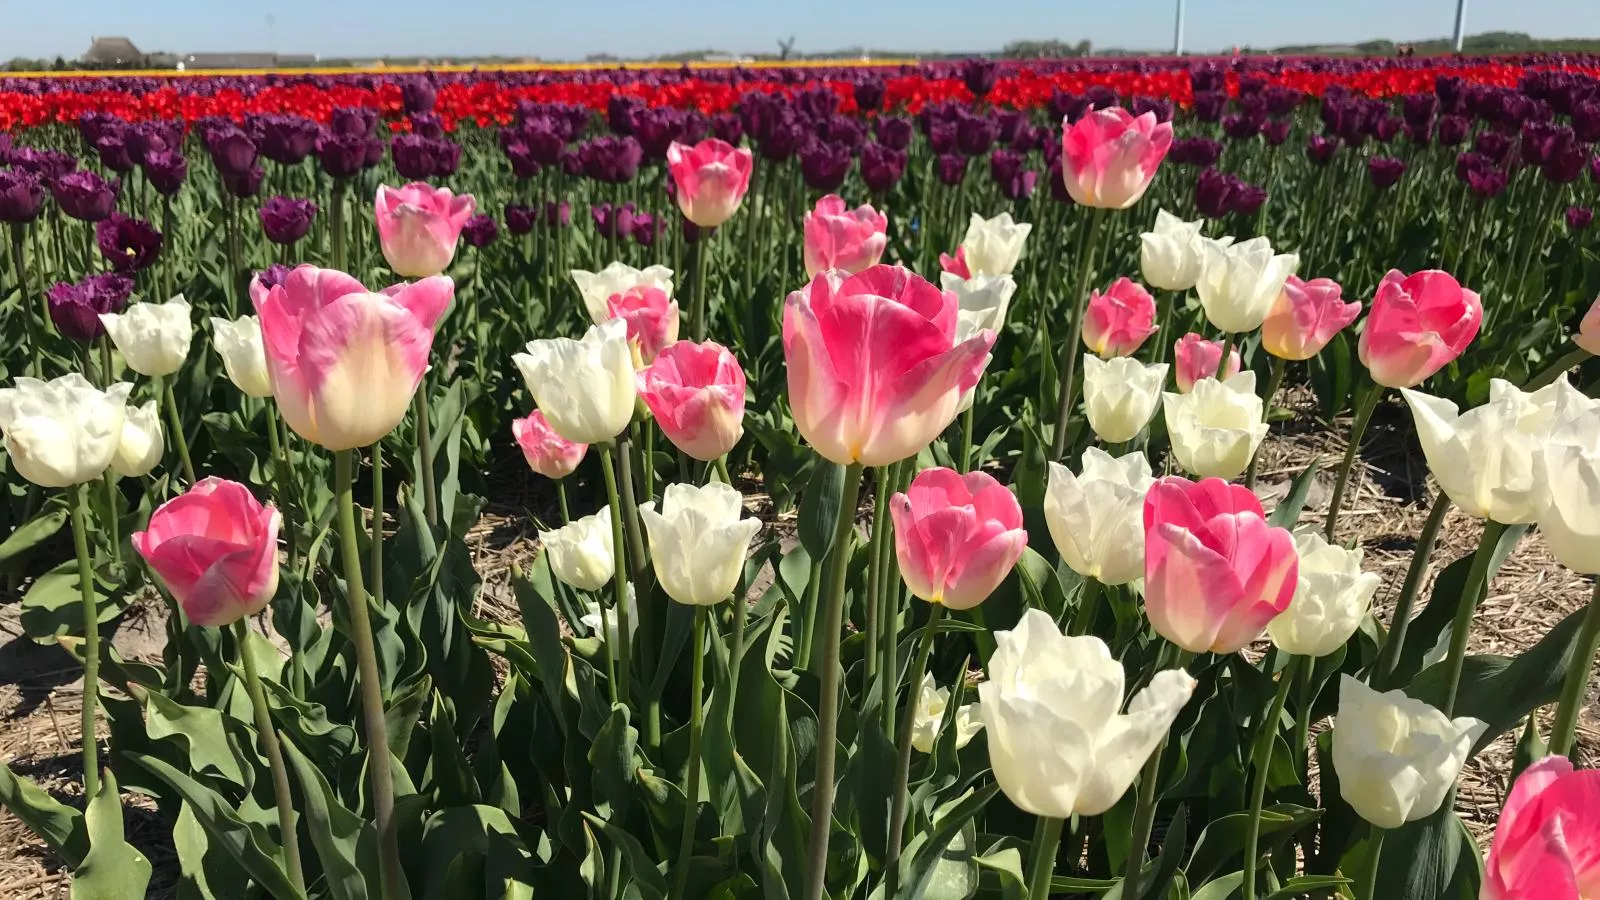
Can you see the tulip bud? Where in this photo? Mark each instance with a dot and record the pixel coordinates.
(1171, 255)
(1121, 395)
(1239, 283)
(1417, 325)
(581, 553)
(140, 447)
(992, 246)
(597, 288)
(1546, 839)
(1195, 358)
(216, 549)
(244, 356)
(1097, 519)
(1057, 744)
(153, 337)
(696, 393)
(932, 703)
(711, 179)
(62, 432)
(837, 237)
(956, 536)
(1396, 757)
(1305, 317)
(418, 227)
(1117, 322)
(698, 542)
(1331, 599)
(1109, 157)
(592, 619)
(547, 453)
(585, 388)
(1216, 428)
(982, 301)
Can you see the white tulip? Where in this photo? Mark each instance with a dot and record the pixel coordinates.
(1569, 465)
(62, 432)
(617, 278)
(1097, 518)
(1121, 395)
(1239, 283)
(243, 354)
(1217, 426)
(984, 299)
(585, 388)
(1170, 256)
(152, 337)
(992, 246)
(698, 541)
(1330, 601)
(1396, 757)
(1057, 744)
(932, 703)
(591, 619)
(140, 448)
(581, 552)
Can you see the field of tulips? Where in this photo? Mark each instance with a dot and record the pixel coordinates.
(847, 482)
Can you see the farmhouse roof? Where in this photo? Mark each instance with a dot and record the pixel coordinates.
(111, 50)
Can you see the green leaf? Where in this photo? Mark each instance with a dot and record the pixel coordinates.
(35, 532)
(51, 608)
(452, 774)
(1301, 885)
(1006, 865)
(919, 868)
(612, 755)
(819, 507)
(1428, 635)
(647, 877)
(203, 875)
(198, 730)
(1433, 857)
(1221, 889)
(58, 825)
(345, 843)
(112, 869)
(1287, 512)
(452, 834)
(1223, 839)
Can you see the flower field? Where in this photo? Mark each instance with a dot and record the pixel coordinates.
(1093, 478)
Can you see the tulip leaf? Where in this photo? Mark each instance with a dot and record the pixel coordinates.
(34, 532)
(1433, 857)
(199, 730)
(210, 876)
(922, 874)
(1301, 885)
(308, 725)
(345, 843)
(1223, 839)
(460, 848)
(820, 507)
(1288, 510)
(52, 606)
(1428, 635)
(58, 825)
(112, 869)
(647, 877)
(1006, 866)
(1221, 889)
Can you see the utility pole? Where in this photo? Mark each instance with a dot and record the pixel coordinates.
(1177, 31)
(1461, 23)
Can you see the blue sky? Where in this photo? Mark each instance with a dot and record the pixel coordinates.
(563, 29)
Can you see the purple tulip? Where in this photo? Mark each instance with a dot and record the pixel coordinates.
(1068, 107)
(816, 103)
(1006, 167)
(1100, 96)
(246, 184)
(1385, 127)
(1249, 198)
(76, 308)
(519, 218)
(1214, 193)
(843, 131)
(557, 215)
(480, 230)
(342, 155)
(1482, 175)
(414, 157)
(273, 275)
(1276, 131)
(979, 76)
(1241, 128)
(869, 94)
(113, 153)
(976, 134)
(523, 165)
(1161, 106)
(166, 171)
(728, 127)
(354, 121)
(47, 164)
(1320, 149)
(942, 137)
(1385, 171)
(824, 166)
(1282, 101)
(427, 125)
(1493, 145)
(952, 168)
(646, 228)
(1579, 217)
(1208, 106)
(418, 96)
(613, 160)
(21, 195)
(128, 244)
(146, 138)
(622, 113)
(1058, 184)
(1586, 120)
(692, 232)
(657, 128)
(1201, 152)
(1419, 109)
(1453, 130)
(86, 196)
(232, 152)
(1564, 161)
(288, 140)
(285, 220)
(882, 167)
(782, 140)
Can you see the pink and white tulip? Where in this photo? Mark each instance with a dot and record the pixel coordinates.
(1110, 156)
(344, 362)
(875, 370)
(652, 319)
(1195, 358)
(711, 178)
(216, 549)
(956, 536)
(1588, 336)
(1215, 573)
(1547, 845)
(1117, 322)
(837, 237)
(1418, 324)
(547, 453)
(696, 393)
(1305, 317)
(419, 226)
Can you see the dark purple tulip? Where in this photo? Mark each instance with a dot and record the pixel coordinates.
(1579, 217)
(728, 127)
(342, 155)
(1565, 161)
(881, 167)
(47, 164)
(427, 125)
(246, 184)
(480, 230)
(1385, 171)
(1276, 131)
(613, 222)
(893, 132)
(816, 103)
(545, 140)
(523, 165)
(1253, 106)
(557, 215)
(612, 160)
(418, 96)
(1100, 96)
(1015, 181)
(21, 195)
(113, 152)
(824, 166)
(273, 275)
(1451, 90)
(1208, 77)
(869, 93)
(622, 113)
(1248, 198)
(1537, 141)
(571, 163)
(646, 228)
(692, 232)
(1214, 193)
(1586, 121)
(976, 134)
(1493, 145)
(1482, 175)
(843, 131)
(415, 158)
(783, 140)
(656, 129)
(447, 158)
(166, 170)
(288, 140)
(1282, 101)
(1058, 184)
(76, 308)
(952, 168)
(128, 244)
(1594, 170)
(372, 153)
(354, 121)
(519, 218)
(95, 125)
(1067, 107)
(1202, 152)
(232, 152)
(285, 220)
(1241, 128)
(86, 196)
(1251, 85)
(1208, 106)
(1419, 109)
(942, 137)
(979, 76)
(148, 137)
(1011, 125)
(1384, 128)
(1161, 106)
(1320, 148)
(1453, 130)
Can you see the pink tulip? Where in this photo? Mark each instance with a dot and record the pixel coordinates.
(957, 536)
(1109, 157)
(696, 393)
(711, 178)
(343, 361)
(875, 371)
(1547, 844)
(957, 264)
(1215, 573)
(1118, 321)
(1305, 318)
(652, 319)
(1588, 336)
(418, 226)
(1418, 324)
(547, 453)
(216, 549)
(841, 238)
(1198, 358)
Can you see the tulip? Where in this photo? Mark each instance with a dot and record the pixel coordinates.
(698, 542)
(581, 553)
(956, 536)
(216, 549)
(244, 356)
(992, 246)
(1547, 842)
(1305, 317)
(875, 370)
(1120, 395)
(344, 362)
(480, 231)
(140, 448)
(285, 220)
(547, 453)
(128, 244)
(166, 171)
(585, 387)
(1396, 757)
(837, 237)
(1569, 464)
(652, 319)
(62, 432)
(1216, 427)
(1109, 157)
(1417, 325)
(21, 195)
(85, 196)
(1097, 519)
(597, 288)
(955, 265)
(1331, 598)
(1239, 283)
(1197, 358)
(1214, 572)
(982, 301)
(696, 393)
(153, 337)
(711, 178)
(593, 619)
(1117, 322)
(1588, 336)
(76, 308)
(418, 226)
(932, 703)
(1057, 744)
(1170, 256)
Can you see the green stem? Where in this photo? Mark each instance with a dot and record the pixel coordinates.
(91, 640)
(964, 461)
(1471, 594)
(377, 728)
(697, 315)
(561, 498)
(1395, 641)
(619, 578)
(691, 792)
(1164, 335)
(1088, 605)
(808, 622)
(721, 464)
(1365, 404)
(1144, 814)
(175, 422)
(1261, 756)
(828, 703)
(1047, 840)
(902, 763)
(1370, 891)
(283, 484)
(1275, 381)
(112, 525)
(376, 548)
(741, 612)
(1070, 343)
(1303, 700)
(336, 223)
(883, 475)
(1577, 682)
(268, 739)
(430, 490)
(1564, 363)
(639, 568)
